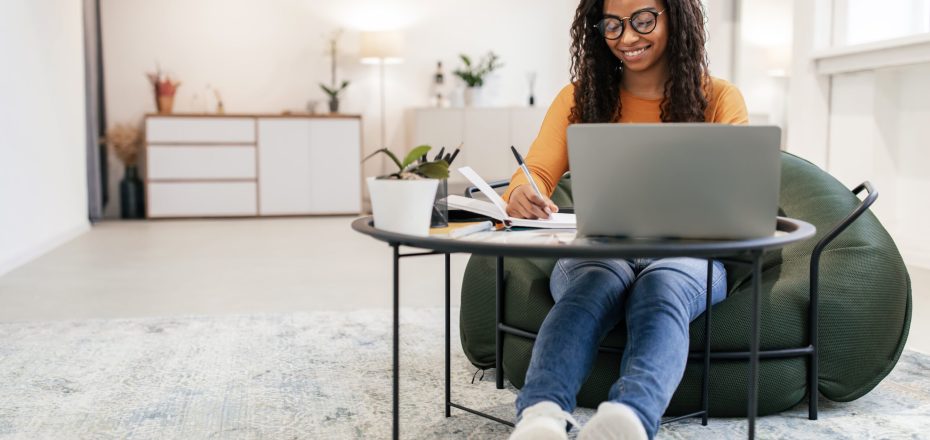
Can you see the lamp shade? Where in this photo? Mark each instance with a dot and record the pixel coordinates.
(383, 46)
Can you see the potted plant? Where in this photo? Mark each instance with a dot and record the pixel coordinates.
(332, 91)
(402, 201)
(165, 88)
(474, 73)
(126, 142)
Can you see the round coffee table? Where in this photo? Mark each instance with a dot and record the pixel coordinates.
(563, 243)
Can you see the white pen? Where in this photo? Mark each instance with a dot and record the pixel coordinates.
(529, 176)
(471, 229)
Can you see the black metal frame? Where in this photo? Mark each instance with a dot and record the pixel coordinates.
(754, 354)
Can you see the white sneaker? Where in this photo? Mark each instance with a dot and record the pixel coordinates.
(613, 421)
(543, 421)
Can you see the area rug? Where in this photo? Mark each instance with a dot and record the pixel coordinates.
(322, 375)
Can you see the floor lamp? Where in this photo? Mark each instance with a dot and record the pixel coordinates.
(381, 48)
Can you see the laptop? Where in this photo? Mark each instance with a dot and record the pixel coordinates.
(693, 181)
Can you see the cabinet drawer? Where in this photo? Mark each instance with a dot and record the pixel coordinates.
(201, 162)
(201, 199)
(199, 129)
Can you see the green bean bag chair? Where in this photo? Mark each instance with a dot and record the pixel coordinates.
(864, 314)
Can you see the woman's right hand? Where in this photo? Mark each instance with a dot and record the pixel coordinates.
(525, 203)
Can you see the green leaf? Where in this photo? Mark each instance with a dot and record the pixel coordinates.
(415, 154)
(434, 170)
(466, 60)
(333, 93)
(388, 152)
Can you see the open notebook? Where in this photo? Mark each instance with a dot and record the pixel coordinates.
(497, 208)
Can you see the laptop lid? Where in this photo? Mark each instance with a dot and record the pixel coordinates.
(675, 180)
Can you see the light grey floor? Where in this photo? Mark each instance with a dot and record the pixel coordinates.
(216, 267)
(165, 268)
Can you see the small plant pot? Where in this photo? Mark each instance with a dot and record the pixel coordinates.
(165, 104)
(334, 106)
(402, 206)
(471, 96)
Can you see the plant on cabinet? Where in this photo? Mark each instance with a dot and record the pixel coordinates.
(474, 74)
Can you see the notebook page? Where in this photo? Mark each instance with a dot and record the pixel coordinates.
(485, 189)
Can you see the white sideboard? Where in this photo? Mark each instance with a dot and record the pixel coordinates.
(252, 165)
(485, 132)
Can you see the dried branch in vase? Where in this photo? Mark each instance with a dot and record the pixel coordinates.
(126, 142)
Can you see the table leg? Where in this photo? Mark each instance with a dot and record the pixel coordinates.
(705, 386)
(448, 374)
(813, 364)
(499, 334)
(396, 408)
(754, 343)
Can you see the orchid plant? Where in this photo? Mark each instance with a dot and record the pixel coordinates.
(415, 165)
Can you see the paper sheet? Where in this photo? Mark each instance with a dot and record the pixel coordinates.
(485, 189)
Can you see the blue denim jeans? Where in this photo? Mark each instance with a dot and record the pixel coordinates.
(656, 298)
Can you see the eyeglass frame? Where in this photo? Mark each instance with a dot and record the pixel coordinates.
(655, 16)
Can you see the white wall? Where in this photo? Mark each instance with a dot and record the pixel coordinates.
(859, 21)
(269, 56)
(43, 186)
(764, 58)
(879, 132)
(721, 23)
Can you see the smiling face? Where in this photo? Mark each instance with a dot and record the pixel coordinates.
(638, 52)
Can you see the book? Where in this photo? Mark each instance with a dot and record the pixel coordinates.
(497, 208)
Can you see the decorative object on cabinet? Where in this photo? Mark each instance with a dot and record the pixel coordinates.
(437, 93)
(403, 201)
(474, 74)
(165, 88)
(531, 78)
(332, 90)
(252, 165)
(126, 142)
(381, 48)
(220, 109)
(333, 94)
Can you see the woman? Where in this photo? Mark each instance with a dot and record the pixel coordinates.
(633, 61)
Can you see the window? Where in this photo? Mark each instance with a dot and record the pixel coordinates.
(867, 21)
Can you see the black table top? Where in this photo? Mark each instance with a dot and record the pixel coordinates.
(564, 243)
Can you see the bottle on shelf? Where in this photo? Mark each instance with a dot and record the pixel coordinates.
(437, 89)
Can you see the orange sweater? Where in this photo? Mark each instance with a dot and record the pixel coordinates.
(547, 159)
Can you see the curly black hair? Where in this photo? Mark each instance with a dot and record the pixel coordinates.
(596, 72)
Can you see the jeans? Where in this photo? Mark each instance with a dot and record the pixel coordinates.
(657, 298)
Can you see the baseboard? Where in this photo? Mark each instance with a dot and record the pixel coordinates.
(41, 248)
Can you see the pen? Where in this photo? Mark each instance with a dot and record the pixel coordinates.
(467, 230)
(439, 156)
(454, 153)
(526, 171)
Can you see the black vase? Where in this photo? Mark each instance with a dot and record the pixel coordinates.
(132, 194)
(334, 105)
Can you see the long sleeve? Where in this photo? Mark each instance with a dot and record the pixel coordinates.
(727, 106)
(547, 159)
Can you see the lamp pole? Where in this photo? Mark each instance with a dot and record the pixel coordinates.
(383, 115)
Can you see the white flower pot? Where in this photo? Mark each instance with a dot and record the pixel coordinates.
(472, 96)
(402, 206)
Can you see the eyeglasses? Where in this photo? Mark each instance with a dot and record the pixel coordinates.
(642, 21)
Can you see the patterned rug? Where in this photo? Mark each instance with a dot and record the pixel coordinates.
(323, 375)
